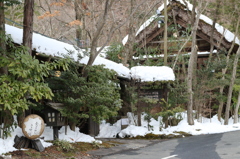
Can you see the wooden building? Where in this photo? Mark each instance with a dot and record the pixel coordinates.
(150, 35)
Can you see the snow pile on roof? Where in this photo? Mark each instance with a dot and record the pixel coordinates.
(162, 55)
(225, 32)
(144, 73)
(119, 68)
(43, 44)
(49, 46)
(152, 73)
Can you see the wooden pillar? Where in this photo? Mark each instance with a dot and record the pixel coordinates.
(55, 133)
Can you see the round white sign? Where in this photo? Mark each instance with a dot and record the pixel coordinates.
(33, 126)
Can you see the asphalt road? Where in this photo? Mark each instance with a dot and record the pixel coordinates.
(212, 146)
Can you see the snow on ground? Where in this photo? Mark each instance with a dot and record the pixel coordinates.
(71, 136)
(206, 126)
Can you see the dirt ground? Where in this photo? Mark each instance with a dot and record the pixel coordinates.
(83, 150)
(55, 152)
(50, 153)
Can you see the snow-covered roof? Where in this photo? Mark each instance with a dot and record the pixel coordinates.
(49, 46)
(43, 44)
(152, 73)
(174, 55)
(119, 68)
(227, 34)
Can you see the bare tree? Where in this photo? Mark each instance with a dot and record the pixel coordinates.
(133, 23)
(97, 31)
(191, 65)
(216, 14)
(230, 90)
(105, 21)
(128, 49)
(56, 19)
(224, 71)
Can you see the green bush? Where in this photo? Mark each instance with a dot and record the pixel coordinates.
(63, 145)
(96, 95)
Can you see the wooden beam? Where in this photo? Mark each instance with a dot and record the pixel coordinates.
(169, 41)
(204, 30)
(203, 35)
(152, 36)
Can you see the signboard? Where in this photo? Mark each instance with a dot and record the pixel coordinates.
(150, 94)
(33, 126)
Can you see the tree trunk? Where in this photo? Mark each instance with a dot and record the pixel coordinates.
(28, 24)
(3, 70)
(128, 49)
(27, 38)
(236, 109)
(230, 90)
(2, 29)
(165, 32)
(216, 13)
(78, 17)
(192, 68)
(72, 126)
(7, 120)
(96, 36)
(99, 28)
(80, 8)
(220, 108)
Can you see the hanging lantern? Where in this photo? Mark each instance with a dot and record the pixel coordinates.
(57, 73)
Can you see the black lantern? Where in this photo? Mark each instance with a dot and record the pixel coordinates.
(53, 117)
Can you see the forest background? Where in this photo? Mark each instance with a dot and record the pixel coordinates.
(99, 23)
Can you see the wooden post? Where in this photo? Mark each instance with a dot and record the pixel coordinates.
(55, 132)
